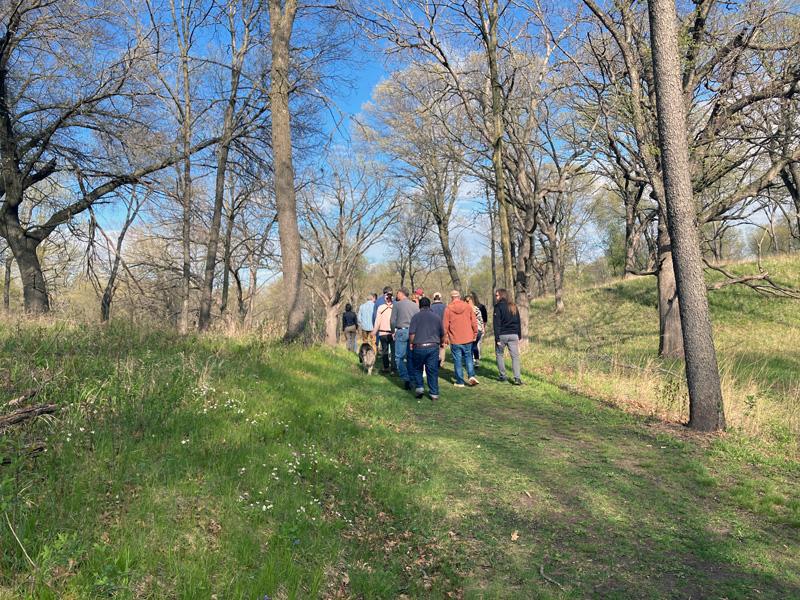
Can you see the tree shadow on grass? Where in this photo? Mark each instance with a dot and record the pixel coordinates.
(612, 511)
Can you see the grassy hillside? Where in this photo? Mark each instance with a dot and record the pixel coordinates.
(211, 468)
(606, 345)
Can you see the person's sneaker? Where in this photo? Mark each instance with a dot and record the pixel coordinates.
(434, 398)
(517, 381)
(419, 392)
(502, 379)
(407, 385)
(473, 381)
(458, 384)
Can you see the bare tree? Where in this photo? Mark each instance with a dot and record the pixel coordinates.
(411, 122)
(344, 217)
(241, 19)
(702, 374)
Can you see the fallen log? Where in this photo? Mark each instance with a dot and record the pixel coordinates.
(27, 452)
(23, 414)
(29, 395)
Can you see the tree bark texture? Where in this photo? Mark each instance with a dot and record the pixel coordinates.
(702, 373)
(490, 41)
(670, 333)
(7, 283)
(281, 21)
(332, 325)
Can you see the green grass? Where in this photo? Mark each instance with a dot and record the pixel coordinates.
(606, 345)
(204, 467)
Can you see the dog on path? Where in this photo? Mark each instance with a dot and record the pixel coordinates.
(366, 356)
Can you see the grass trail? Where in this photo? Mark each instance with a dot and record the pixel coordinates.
(205, 468)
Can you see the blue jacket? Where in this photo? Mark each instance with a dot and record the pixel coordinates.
(366, 319)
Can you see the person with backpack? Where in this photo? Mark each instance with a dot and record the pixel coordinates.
(507, 334)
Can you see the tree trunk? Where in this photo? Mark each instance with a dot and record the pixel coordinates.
(7, 283)
(332, 325)
(34, 287)
(444, 237)
(557, 263)
(226, 260)
(492, 241)
(281, 21)
(498, 131)
(251, 294)
(670, 334)
(702, 374)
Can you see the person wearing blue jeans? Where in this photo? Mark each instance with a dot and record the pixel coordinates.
(402, 312)
(462, 352)
(401, 356)
(460, 331)
(426, 336)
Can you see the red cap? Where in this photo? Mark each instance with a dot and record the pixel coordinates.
(419, 292)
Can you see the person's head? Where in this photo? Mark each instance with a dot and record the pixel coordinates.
(455, 295)
(424, 303)
(419, 292)
(474, 297)
(388, 297)
(387, 290)
(402, 293)
(470, 301)
(348, 307)
(373, 296)
(502, 296)
(437, 296)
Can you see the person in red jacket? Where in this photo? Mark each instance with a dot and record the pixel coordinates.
(460, 330)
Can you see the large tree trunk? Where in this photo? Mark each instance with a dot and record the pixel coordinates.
(332, 325)
(34, 287)
(498, 131)
(670, 334)
(702, 374)
(281, 21)
(444, 237)
(7, 282)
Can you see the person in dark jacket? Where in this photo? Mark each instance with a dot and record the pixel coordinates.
(507, 333)
(426, 336)
(437, 308)
(483, 323)
(350, 327)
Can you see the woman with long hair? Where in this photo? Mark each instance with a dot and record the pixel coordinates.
(481, 328)
(507, 334)
(350, 327)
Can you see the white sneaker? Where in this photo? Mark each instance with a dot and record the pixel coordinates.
(473, 381)
(458, 384)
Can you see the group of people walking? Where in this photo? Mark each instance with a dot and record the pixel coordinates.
(410, 333)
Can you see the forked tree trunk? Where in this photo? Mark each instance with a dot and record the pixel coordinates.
(670, 334)
(281, 22)
(702, 374)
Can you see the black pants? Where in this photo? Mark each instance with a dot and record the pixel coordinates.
(387, 349)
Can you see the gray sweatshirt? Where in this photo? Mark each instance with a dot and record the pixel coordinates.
(402, 311)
